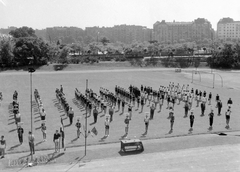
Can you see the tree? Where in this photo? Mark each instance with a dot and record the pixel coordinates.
(104, 40)
(6, 51)
(23, 32)
(63, 55)
(31, 47)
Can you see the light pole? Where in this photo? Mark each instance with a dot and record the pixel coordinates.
(86, 123)
(31, 70)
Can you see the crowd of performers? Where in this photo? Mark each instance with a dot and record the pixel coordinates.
(134, 97)
(124, 100)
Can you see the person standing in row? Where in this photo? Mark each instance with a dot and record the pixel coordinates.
(78, 125)
(186, 107)
(229, 102)
(228, 113)
(146, 121)
(62, 134)
(211, 115)
(217, 99)
(44, 131)
(219, 106)
(172, 118)
(56, 138)
(191, 117)
(43, 115)
(126, 121)
(142, 104)
(152, 109)
(3, 146)
(111, 111)
(31, 142)
(71, 115)
(203, 107)
(123, 105)
(130, 112)
(210, 98)
(95, 114)
(107, 125)
(20, 134)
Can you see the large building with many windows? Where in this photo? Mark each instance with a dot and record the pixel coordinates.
(172, 32)
(228, 29)
(122, 33)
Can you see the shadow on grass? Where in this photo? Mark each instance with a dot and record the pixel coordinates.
(13, 147)
(37, 120)
(11, 123)
(92, 123)
(103, 139)
(12, 130)
(38, 128)
(123, 137)
(78, 159)
(74, 140)
(67, 125)
(36, 117)
(39, 143)
(54, 156)
(135, 152)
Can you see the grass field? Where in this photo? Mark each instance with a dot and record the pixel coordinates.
(47, 82)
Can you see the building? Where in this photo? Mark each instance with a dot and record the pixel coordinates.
(173, 32)
(121, 33)
(228, 29)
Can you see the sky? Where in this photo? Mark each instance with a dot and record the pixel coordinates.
(40, 14)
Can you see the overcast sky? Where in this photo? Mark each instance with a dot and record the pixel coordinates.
(40, 14)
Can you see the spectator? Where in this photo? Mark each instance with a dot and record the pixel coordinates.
(56, 138)
(31, 142)
(3, 146)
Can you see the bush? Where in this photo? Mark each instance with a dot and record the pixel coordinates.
(183, 62)
(165, 62)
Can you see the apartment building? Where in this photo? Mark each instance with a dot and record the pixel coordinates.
(122, 33)
(227, 28)
(172, 32)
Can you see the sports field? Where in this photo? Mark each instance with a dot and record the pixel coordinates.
(47, 82)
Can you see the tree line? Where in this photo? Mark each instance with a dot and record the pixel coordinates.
(22, 47)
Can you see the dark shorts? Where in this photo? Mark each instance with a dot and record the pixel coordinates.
(43, 118)
(227, 116)
(146, 123)
(107, 127)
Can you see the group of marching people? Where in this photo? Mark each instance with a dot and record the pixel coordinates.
(172, 94)
(42, 113)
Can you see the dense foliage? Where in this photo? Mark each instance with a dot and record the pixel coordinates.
(22, 47)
